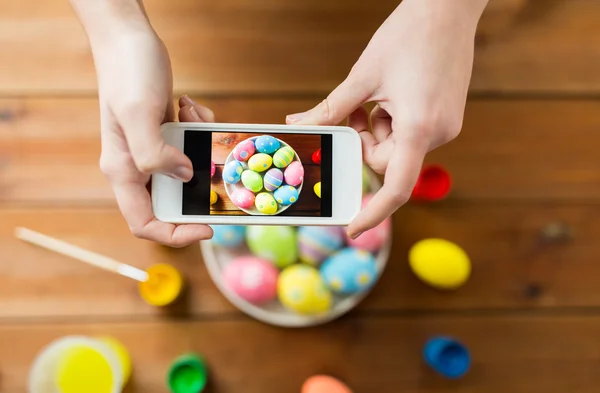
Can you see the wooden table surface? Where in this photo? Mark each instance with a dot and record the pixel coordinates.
(526, 162)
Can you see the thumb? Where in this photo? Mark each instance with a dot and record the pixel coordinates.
(352, 93)
(150, 153)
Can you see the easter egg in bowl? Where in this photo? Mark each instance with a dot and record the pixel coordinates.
(265, 170)
(295, 277)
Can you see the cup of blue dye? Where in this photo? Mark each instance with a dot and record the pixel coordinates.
(447, 356)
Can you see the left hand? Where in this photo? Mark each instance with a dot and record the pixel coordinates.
(417, 68)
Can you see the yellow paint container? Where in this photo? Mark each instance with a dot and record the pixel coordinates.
(163, 287)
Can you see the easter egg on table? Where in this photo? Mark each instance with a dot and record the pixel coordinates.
(373, 239)
(273, 179)
(265, 203)
(252, 180)
(267, 144)
(251, 278)
(283, 157)
(316, 157)
(301, 289)
(349, 271)
(315, 244)
(294, 173)
(317, 189)
(242, 197)
(213, 168)
(213, 197)
(274, 243)
(440, 263)
(260, 162)
(232, 172)
(244, 150)
(228, 235)
(324, 384)
(286, 195)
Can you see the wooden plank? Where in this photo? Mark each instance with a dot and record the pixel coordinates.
(523, 149)
(511, 267)
(268, 46)
(546, 354)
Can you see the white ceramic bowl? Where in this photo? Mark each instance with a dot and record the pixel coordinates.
(274, 313)
(230, 188)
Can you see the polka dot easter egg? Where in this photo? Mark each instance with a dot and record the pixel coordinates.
(251, 278)
(260, 162)
(315, 244)
(283, 157)
(294, 174)
(244, 150)
(265, 203)
(373, 239)
(232, 172)
(267, 144)
(275, 243)
(213, 168)
(242, 197)
(228, 235)
(349, 271)
(301, 289)
(286, 195)
(252, 181)
(273, 179)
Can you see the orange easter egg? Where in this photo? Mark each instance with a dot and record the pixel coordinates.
(324, 384)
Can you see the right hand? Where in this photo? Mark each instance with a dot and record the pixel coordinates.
(135, 87)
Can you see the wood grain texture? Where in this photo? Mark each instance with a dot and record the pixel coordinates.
(508, 150)
(268, 46)
(512, 267)
(378, 354)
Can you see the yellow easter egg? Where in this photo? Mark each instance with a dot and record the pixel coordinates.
(440, 263)
(213, 197)
(265, 203)
(301, 289)
(317, 189)
(260, 162)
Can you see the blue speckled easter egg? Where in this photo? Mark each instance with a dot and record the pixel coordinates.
(349, 271)
(232, 172)
(228, 235)
(286, 195)
(267, 144)
(273, 179)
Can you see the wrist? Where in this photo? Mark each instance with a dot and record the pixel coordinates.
(465, 13)
(106, 21)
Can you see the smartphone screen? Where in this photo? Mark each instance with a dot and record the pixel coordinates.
(266, 174)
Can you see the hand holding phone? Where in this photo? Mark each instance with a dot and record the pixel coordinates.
(247, 174)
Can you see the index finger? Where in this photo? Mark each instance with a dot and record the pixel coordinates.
(136, 206)
(401, 176)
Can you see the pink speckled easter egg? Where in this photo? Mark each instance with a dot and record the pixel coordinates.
(244, 150)
(212, 168)
(242, 197)
(373, 239)
(251, 278)
(294, 173)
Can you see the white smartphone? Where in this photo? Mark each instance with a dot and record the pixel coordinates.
(254, 174)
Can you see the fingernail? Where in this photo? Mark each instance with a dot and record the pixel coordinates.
(356, 235)
(296, 117)
(182, 173)
(194, 114)
(185, 98)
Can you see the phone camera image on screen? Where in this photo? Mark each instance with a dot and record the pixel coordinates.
(268, 174)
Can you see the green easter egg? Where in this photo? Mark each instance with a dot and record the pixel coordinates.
(283, 157)
(260, 162)
(277, 244)
(252, 180)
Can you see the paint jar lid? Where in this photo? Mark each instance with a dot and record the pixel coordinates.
(447, 356)
(187, 374)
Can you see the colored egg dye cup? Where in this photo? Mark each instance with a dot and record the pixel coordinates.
(230, 188)
(77, 364)
(434, 184)
(187, 374)
(447, 356)
(163, 287)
